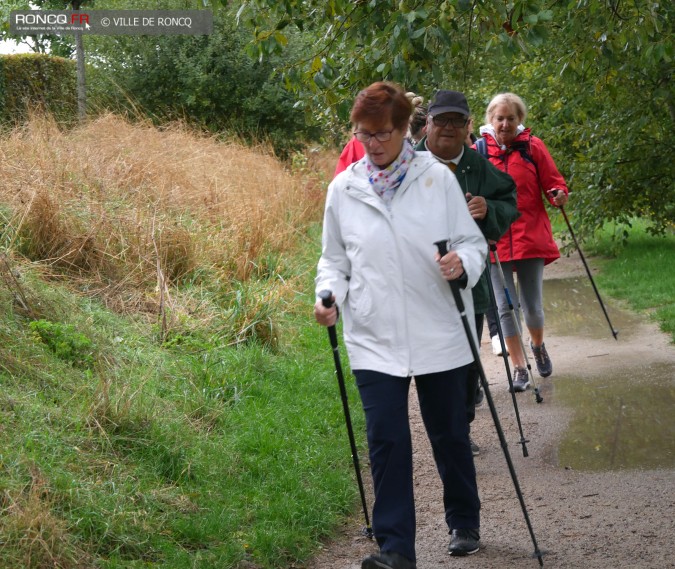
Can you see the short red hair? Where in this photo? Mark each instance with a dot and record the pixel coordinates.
(381, 101)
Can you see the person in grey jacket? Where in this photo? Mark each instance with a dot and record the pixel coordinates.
(383, 215)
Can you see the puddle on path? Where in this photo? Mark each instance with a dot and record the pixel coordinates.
(571, 308)
(625, 418)
(622, 421)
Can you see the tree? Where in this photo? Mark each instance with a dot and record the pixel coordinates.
(414, 43)
(596, 73)
(208, 80)
(613, 115)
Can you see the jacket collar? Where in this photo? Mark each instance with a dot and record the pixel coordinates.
(523, 135)
(358, 186)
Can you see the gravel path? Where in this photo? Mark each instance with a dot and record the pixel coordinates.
(611, 519)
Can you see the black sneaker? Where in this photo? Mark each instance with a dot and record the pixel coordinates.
(520, 380)
(475, 449)
(387, 560)
(544, 365)
(464, 542)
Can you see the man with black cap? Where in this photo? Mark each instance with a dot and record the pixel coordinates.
(491, 198)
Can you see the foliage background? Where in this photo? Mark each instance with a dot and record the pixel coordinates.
(596, 76)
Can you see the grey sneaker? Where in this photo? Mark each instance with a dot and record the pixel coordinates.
(544, 365)
(464, 542)
(520, 379)
(387, 560)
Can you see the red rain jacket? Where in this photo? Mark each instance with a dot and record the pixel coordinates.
(529, 163)
(352, 152)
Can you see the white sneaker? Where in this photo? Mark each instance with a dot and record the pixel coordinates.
(497, 346)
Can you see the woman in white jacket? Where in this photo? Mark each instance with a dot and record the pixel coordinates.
(383, 215)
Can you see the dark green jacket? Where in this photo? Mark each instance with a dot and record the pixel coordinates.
(479, 177)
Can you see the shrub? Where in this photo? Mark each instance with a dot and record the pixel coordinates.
(67, 343)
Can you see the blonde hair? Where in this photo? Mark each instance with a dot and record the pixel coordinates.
(418, 118)
(415, 100)
(511, 99)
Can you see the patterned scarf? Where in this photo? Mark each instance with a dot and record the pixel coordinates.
(386, 181)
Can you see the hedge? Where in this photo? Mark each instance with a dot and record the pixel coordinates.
(37, 82)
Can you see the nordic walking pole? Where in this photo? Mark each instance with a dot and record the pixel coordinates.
(537, 396)
(493, 303)
(615, 332)
(454, 286)
(326, 297)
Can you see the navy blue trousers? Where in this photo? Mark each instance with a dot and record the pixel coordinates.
(442, 397)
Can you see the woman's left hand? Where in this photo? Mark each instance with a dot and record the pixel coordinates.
(451, 265)
(560, 197)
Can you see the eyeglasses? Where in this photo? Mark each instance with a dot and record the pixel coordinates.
(379, 136)
(456, 122)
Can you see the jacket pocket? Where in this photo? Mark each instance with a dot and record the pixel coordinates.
(361, 304)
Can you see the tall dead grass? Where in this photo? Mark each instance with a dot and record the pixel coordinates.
(33, 537)
(115, 203)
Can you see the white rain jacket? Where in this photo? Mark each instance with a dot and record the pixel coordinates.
(399, 316)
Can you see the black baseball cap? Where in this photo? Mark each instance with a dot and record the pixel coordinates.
(448, 102)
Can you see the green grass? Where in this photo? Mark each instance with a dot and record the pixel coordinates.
(189, 454)
(640, 272)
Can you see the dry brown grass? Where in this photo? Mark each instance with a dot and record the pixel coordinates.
(115, 203)
(32, 534)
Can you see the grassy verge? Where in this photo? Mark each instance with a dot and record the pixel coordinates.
(176, 455)
(638, 272)
(165, 398)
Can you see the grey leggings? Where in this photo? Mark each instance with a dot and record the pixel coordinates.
(530, 289)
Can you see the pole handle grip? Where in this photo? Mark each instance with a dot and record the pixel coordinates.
(326, 297)
(442, 247)
(461, 282)
(554, 193)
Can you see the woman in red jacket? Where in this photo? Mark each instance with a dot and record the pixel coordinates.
(528, 245)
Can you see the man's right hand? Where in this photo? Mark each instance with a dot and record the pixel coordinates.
(477, 206)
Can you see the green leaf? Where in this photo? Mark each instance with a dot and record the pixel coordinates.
(281, 39)
(320, 80)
